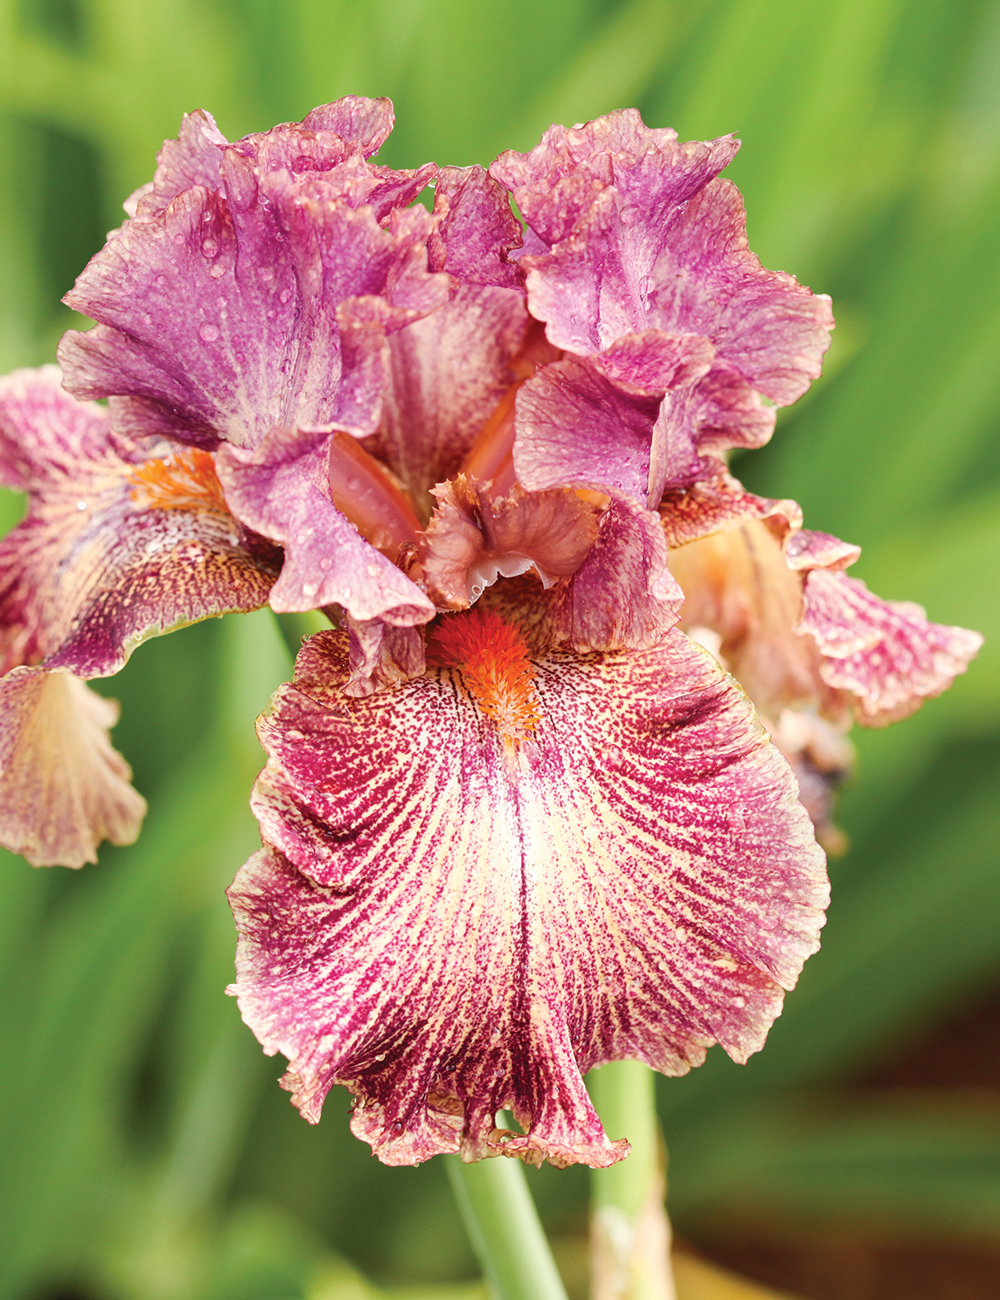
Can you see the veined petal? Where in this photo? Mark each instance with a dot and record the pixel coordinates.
(446, 375)
(476, 232)
(63, 789)
(885, 653)
(795, 630)
(596, 857)
(121, 541)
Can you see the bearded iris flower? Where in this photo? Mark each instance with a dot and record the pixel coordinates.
(516, 821)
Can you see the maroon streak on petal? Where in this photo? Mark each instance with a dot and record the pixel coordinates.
(473, 538)
(885, 653)
(63, 788)
(447, 374)
(637, 881)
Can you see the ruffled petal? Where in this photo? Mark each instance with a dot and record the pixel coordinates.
(884, 653)
(476, 231)
(793, 628)
(382, 655)
(474, 538)
(63, 789)
(222, 316)
(596, 858)
(119, 543)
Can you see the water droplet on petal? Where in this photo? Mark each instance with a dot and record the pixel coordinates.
(372, 570)
(326, 564)
(630, 214)
(81, 505)
(217, 269)
(397, 1127)
(310, 588)
(265, 273)
(208, 333)
(284, 296)
(209, 247)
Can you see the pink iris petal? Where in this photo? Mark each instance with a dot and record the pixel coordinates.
(476, 231)
(795, 630)
(122, 540)
(633, 234)
(637, 879)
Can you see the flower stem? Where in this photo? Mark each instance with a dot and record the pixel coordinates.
(630, 1232)
(503, 1226)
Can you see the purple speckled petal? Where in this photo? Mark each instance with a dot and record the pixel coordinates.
(884, 653)
(447, 373)
(221, 316)
(591, 421)
(637, 881)
(282, 491)
(477, 232)
(119, 543)
(63, 788)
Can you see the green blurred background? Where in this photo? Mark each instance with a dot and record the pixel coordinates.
(147, 1152)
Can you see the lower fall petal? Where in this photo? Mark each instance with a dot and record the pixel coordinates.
(617, 869)
(63, 789)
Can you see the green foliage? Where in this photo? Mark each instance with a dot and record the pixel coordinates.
(148, 1153)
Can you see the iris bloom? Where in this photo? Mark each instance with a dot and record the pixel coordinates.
(516, 822)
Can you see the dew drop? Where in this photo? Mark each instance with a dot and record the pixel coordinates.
(209, 247)
(372, 570)
(326, 564)
(206, 216)
(630, 214)
(309, 588)
(397, 1127)
(178, 239)
(161, 279)
(613, 756)
(265, 273)
(271, 313)
(739, 1002)
(284, 296)
(208, 333)
(217, 269)
(81, 505)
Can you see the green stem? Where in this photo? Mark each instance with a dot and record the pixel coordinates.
(503, 1226)
(630, 1232)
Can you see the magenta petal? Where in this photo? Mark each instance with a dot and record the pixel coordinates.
(222, 316)
(382, 655)
(884, 652)
(281, 491)
(63, 789)
(476, 231)
(640, 883)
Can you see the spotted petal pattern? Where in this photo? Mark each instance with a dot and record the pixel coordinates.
(447, 930)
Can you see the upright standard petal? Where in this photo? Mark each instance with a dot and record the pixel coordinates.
(635, 234)
(595, 857)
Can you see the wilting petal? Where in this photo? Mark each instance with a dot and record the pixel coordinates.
(63, 788)
(221, 316)
(821, 757)
(595, 858)
(282, 490)
(474, 538)
(447, 373)
(884, 653)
